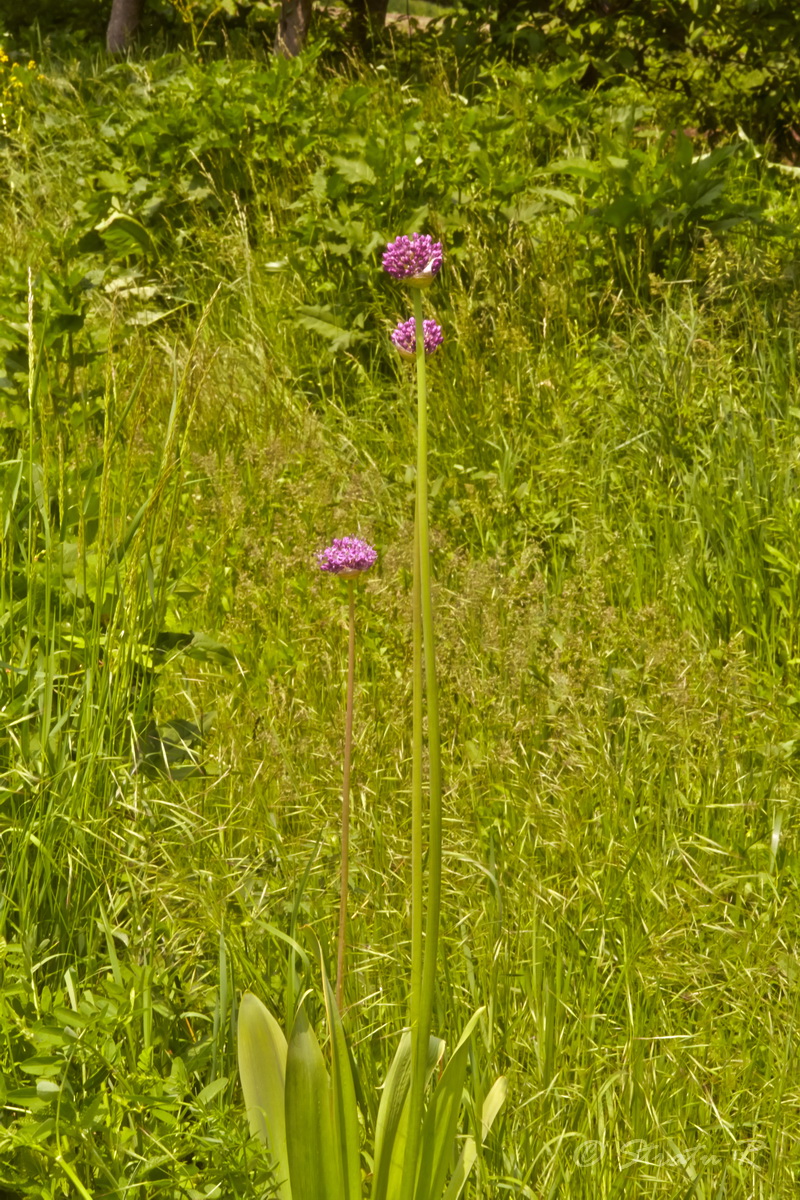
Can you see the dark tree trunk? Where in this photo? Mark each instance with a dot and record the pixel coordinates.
(293, 27)
(122, 24)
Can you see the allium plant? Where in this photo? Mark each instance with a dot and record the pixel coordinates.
(349, 558)
(308, 1118)
(413, 260)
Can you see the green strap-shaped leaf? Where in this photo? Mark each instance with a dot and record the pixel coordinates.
(345, 1112)
(262, 1052)
(309, 1130)
(390, 1111)
(466, 1161)
(494, 1101)
(441, 1121)
(491, 1107)
(392, 1120)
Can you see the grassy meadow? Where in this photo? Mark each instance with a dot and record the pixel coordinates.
(197, 393)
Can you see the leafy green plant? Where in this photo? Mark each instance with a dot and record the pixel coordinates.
(121, 1069)
(654, 198)
(308, 1117)
(713, 64)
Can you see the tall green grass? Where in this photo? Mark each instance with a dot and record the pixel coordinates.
(614, 535)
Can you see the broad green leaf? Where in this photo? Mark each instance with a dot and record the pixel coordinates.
(309, 1129)
(441, 1120)
(528, 206)
(205, 649)
(392, 1120)
(562, 72)
(262, 1054)
(42, 1066)
(557, 194)
(212, 1089)
(123, 234)
(322, 321)
(579, 168)
(149, 316)
(354, 170)
(345, 1112)
(113, 181)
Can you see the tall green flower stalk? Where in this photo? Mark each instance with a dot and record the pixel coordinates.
(341, 945)
(416, 261)
(348, 558)
(423, 1002)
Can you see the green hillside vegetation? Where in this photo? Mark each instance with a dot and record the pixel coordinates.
(197, 392)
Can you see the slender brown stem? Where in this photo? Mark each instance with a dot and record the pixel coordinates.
(348, 749)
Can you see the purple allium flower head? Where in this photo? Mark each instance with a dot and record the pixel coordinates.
(415, 260)
(347, 557)
(405, 337)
